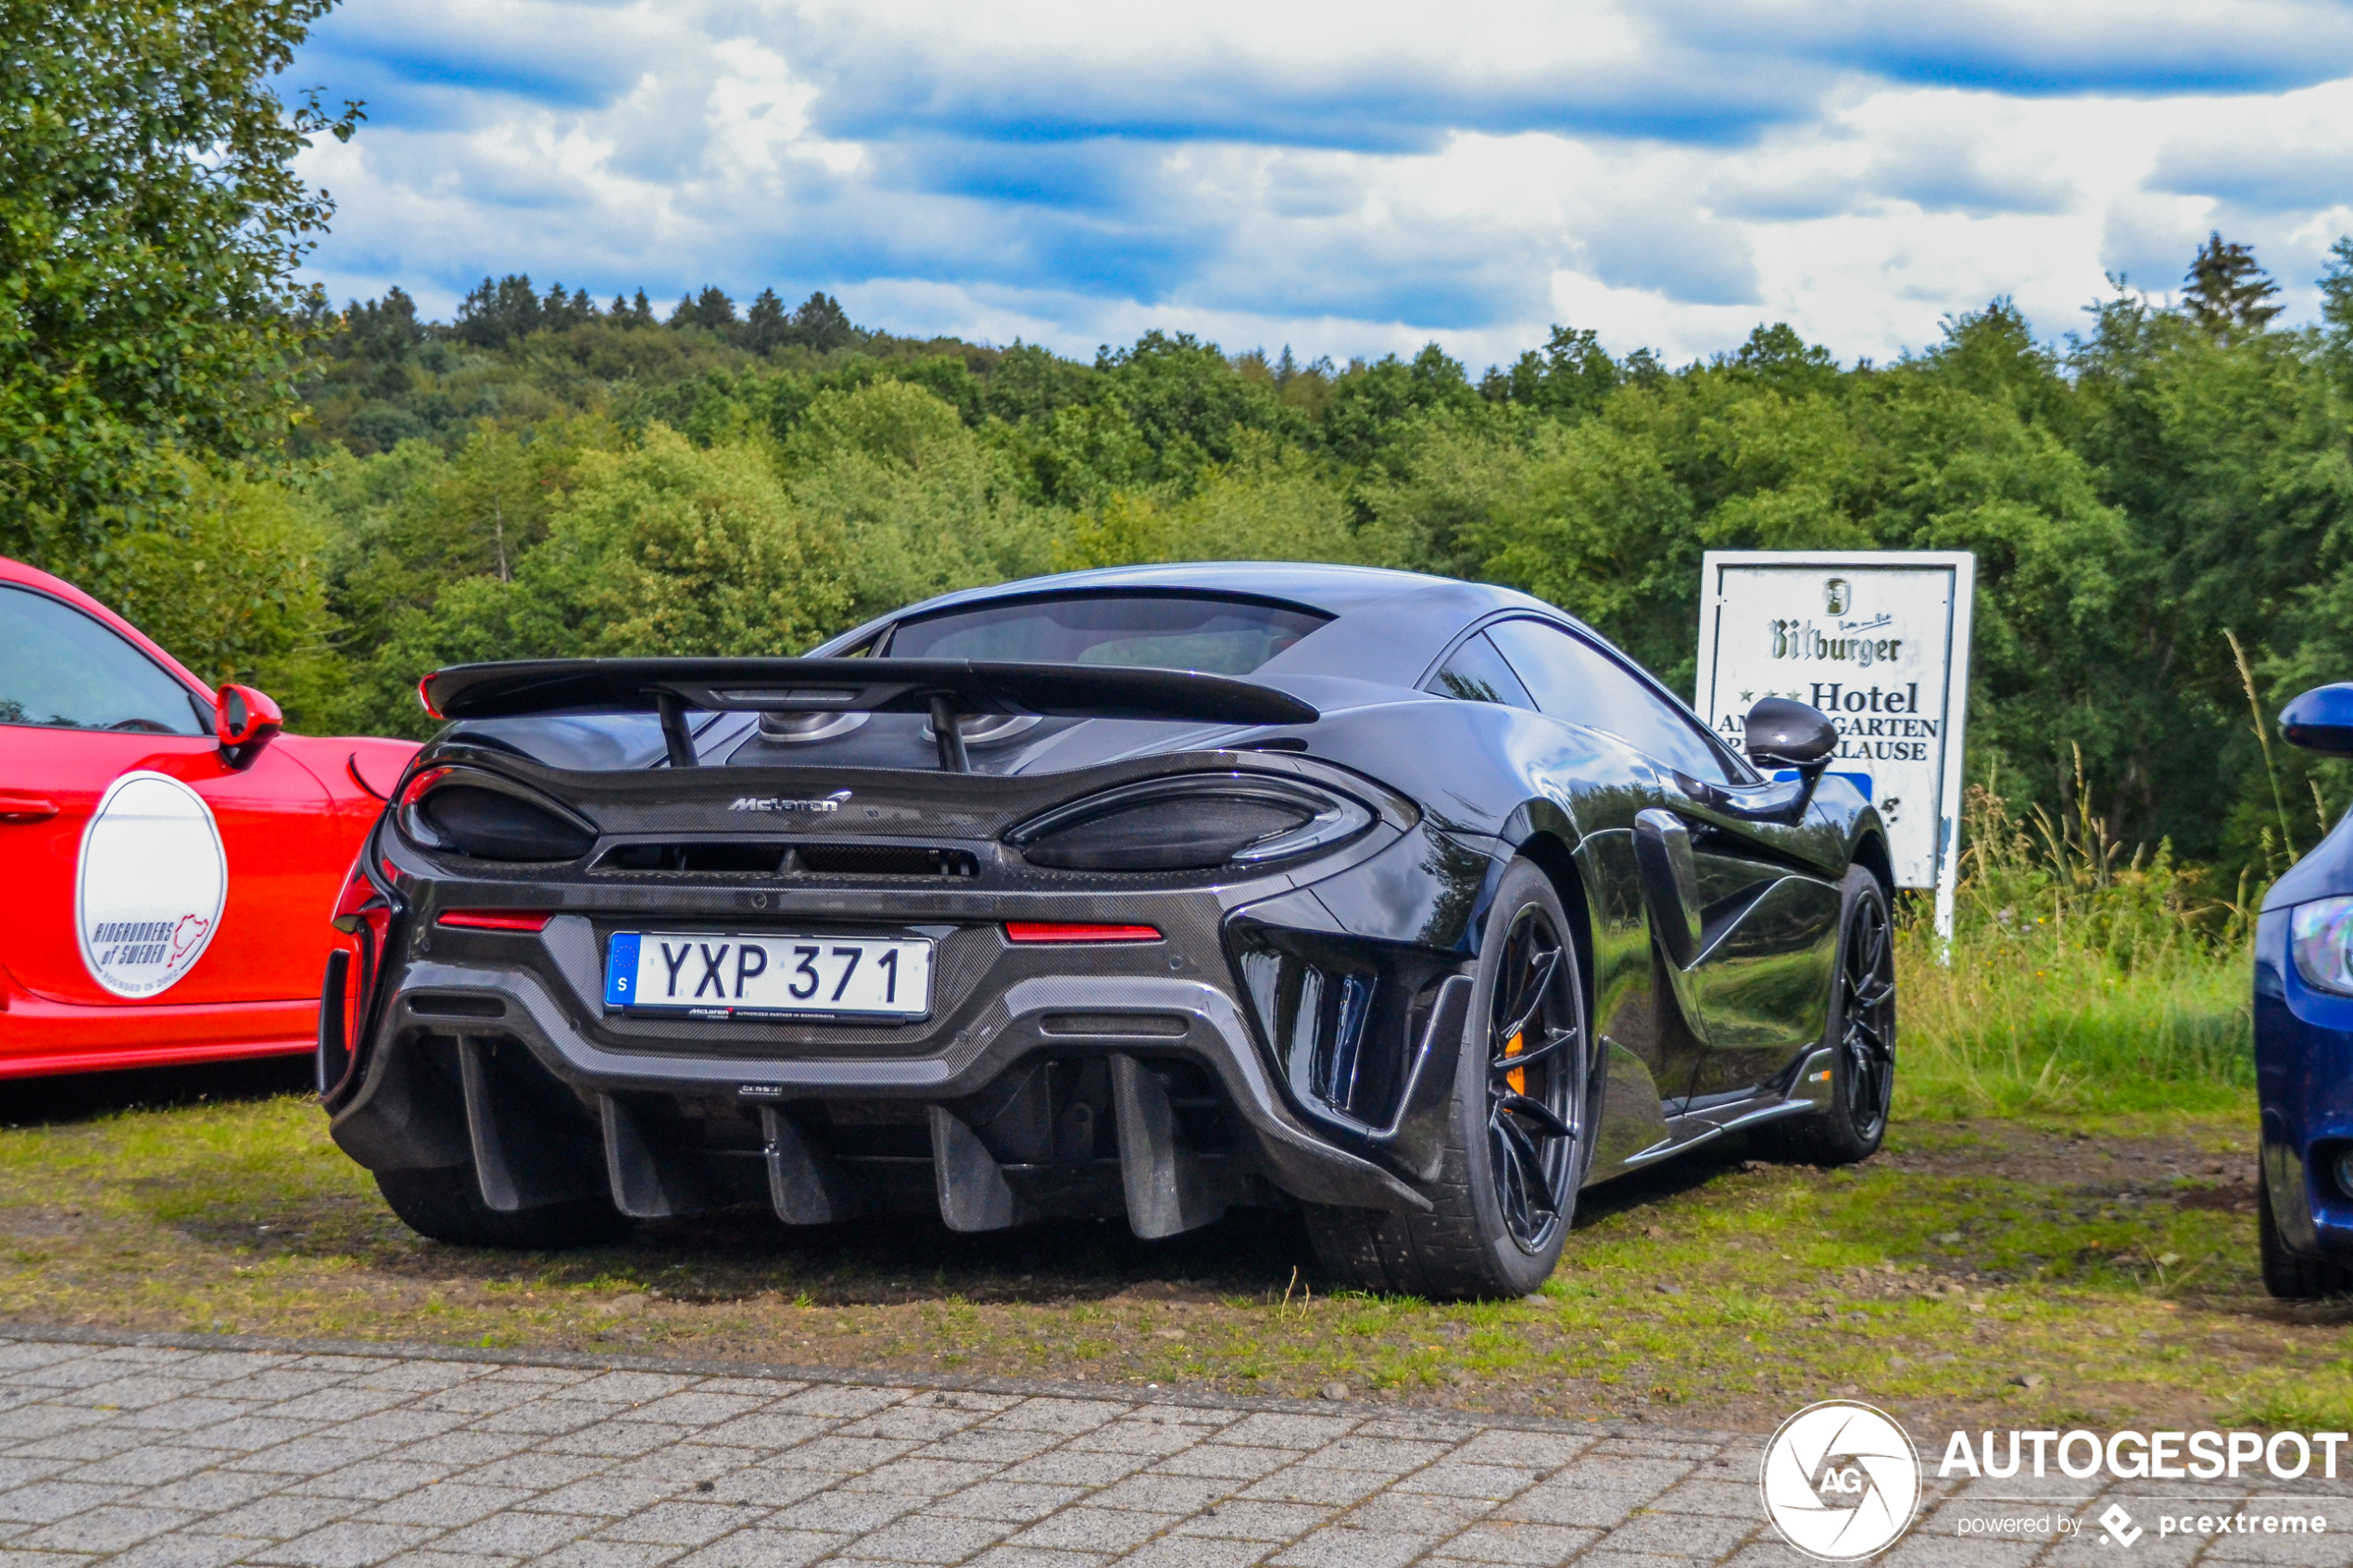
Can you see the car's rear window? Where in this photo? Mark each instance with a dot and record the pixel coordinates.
(1219, 636)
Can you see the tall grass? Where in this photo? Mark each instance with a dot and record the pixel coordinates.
(2081, 979)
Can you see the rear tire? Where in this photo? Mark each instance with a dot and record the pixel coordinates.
(1862, 1040)
(447, 1206)
(2288, 1276)
(1517, 1139)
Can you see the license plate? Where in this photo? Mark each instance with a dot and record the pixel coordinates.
(732, 976)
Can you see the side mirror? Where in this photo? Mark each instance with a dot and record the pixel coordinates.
(1781, 733)
(2322, 720)
(244, 722)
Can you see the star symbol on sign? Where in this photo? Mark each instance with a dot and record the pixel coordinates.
(1747, 697)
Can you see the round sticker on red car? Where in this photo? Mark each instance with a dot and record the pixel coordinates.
(151, 886)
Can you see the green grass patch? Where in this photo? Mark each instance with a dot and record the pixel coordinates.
(2078, 978)
(2061, 1229)
(2108, 1256)
(2006, 1032)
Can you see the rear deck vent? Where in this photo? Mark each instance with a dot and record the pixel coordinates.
(737, 858)
(440, 1004)
(707, 856)
(883, 859)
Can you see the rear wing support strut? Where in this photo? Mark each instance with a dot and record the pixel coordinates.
(953, 756)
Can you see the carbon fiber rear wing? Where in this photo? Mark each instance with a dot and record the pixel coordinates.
(945, 689)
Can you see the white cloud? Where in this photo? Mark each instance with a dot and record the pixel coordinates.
(1347, 180)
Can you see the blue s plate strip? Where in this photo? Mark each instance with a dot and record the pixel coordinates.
(621, 969)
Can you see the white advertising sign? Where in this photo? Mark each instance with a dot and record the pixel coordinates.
(1878, 640)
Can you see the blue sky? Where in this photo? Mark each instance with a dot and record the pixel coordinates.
(1348, 178)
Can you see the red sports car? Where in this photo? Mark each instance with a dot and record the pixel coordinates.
(173, 858)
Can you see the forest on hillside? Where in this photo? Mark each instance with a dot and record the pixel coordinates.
(2161, 506)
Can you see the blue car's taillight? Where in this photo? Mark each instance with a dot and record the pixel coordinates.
(2320, 934)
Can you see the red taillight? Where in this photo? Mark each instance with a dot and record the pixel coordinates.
(1065, 931)
(495, 920)
(356, 891)
(425, 696)
(364, 914)
(424, 780)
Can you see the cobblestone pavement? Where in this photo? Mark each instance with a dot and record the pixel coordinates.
(164, 1454)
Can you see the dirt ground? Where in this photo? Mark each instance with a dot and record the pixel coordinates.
(1979, 1271)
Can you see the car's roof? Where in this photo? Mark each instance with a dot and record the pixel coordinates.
(1387, 626)
(1318, 585)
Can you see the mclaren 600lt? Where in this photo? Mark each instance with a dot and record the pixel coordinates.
(1405, 902)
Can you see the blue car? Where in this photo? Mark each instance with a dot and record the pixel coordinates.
(2304, 1041)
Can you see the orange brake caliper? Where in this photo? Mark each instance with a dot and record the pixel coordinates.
(1517, 1076)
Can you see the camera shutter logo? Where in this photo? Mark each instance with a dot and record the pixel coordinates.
(1841, 1481)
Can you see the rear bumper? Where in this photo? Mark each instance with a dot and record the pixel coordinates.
(512, 1064)
(1048, 1080)
(1066, 1018)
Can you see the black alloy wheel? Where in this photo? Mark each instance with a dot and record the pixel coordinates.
(1517, 1130)
(1861, 1038)
(1535, 1062)
(1867, 1017)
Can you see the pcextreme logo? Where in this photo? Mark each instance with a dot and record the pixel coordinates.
(1841, 1481)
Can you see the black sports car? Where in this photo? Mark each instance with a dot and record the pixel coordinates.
(1152, 891)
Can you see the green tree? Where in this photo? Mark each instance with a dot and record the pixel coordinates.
(151, 227)
(418, 524)
(495, 314)
(1272, 502)
(1371, 403)
(2230, 457)
(1571, 375)
(765, 323)
(2225, 292)
(1185, 404)
(1587, 515)
(664, 547)
(1031, 382)
(2336, 310)
(913, 501)
(1777, 356)
(821, 324)
(712, 310)
(235, 587)
(2130, 498)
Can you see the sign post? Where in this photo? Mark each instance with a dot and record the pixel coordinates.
(1876, 639)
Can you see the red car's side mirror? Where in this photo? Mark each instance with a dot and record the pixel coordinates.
(244, 721)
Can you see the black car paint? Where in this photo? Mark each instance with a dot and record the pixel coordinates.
(672, 1114)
